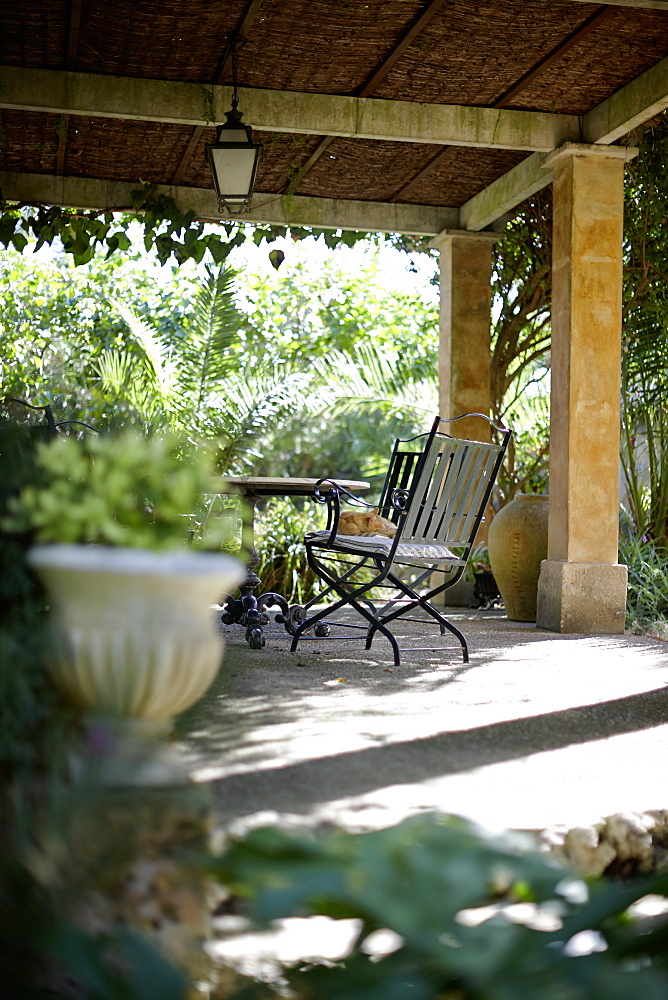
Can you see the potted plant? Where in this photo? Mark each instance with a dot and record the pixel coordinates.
(133, 639)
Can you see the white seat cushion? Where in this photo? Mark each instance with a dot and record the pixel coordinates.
(414, 552)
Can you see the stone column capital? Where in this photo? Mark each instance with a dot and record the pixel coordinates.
(624, 153)
(467, 235)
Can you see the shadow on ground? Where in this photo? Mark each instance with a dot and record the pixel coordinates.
(536, 729)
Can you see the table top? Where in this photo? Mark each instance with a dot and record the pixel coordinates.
(281, 486)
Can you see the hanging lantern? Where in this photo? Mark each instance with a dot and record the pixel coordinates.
(233, 158)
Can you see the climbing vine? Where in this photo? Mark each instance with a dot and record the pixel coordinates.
(170, 232)
(166, 229)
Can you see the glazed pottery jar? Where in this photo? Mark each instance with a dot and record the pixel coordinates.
(517, 545)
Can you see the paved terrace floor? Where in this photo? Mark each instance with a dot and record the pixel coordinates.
(537, 730)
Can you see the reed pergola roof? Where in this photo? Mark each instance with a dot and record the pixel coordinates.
(404, 115)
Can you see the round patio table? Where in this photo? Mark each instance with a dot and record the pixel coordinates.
(247, 609)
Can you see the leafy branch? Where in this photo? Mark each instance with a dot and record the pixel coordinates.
(644, 449)
(166, 229)
(171, 233)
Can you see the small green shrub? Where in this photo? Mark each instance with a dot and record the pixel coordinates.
(647, 591)
(119, 490)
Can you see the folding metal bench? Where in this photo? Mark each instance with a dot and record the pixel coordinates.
(436, 490)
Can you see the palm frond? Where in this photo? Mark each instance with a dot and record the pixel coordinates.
(123, 378)
(209, 350)
(162, 365)
(249, 408)
(366, 379)
(115, 370)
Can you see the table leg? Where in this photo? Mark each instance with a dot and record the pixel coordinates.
(247, 609)
(243, 610)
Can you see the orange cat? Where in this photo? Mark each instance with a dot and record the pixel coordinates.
(360, 522)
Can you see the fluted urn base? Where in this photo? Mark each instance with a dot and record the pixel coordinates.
(133, 638)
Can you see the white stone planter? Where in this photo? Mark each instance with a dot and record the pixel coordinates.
(133, 632)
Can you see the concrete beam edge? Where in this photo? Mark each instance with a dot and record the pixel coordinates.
(624, 153)
(629, 107)
(505, 193)
(176, 102)
(483, 235)
(319, 213)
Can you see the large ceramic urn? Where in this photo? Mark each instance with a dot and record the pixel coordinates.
(133, 640)
(517, 544)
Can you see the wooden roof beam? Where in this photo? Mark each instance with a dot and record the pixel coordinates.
(640, 100)
(70, 63)
(272, 209)
(377, 76)
(588, 25)
(249, 16)
(175, 102)
(404, 42)
(640, 4)
(593, 22)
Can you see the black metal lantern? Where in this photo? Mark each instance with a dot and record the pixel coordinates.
(233, 159)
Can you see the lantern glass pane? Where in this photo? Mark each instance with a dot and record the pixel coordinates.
(229, 136)
(234, 170)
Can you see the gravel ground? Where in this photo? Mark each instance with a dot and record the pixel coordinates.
(537, 729)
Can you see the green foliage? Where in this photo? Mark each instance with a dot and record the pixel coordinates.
(198, 381)
(521, 335)
(645, 343)
(113, 490)
(264, 396)
(645, 453)
(521, 289)
(450, 894)
(309, 313)
(167, 230)
(55, 322)
(478, 561)
(646, 223)
(34, 722)
(88, 339)
(647, 593)
(374, 349)
(525, 469)
(279, 540)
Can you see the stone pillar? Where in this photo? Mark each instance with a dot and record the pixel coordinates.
(464, 346)
(134, 862)
(582, 588)
(464, 353)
